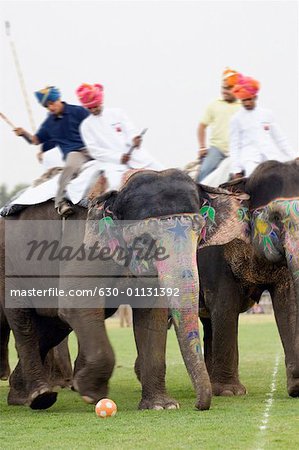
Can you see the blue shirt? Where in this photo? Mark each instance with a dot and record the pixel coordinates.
(63, 130)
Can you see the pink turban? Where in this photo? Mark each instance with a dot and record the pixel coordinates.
(90, 95)
(246, 88)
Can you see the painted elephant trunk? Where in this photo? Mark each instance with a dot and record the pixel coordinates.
(292, 255)
(179, 276)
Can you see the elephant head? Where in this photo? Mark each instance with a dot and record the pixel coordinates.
(274, 214)
(165, 207)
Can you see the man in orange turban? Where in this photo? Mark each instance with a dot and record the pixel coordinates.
(217, 117)
(254, 135)
(230, 77)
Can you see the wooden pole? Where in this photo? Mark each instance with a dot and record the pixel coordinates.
(20, 76)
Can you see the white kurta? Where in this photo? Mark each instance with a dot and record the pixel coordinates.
(254, 138)
(108, 137)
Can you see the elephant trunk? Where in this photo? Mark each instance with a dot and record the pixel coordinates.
(292, 255)
(178, 274)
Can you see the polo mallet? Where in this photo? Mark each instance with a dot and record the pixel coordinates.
(13, 126)
(20, 76)
(134, 146)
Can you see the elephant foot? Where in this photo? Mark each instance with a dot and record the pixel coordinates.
(61, 383)
(228, 389)
(292, 381)
(293, 387)
(42, 398)
(90, 394)
(4, 375)
(158, 402)
(15, 399)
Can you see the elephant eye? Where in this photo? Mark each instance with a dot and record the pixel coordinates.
(275, 217)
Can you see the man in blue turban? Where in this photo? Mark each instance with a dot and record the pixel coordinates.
(61, 129)
(48, 94)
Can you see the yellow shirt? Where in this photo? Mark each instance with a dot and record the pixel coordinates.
(217, 116)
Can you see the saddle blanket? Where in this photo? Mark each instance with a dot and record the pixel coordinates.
(77, 189)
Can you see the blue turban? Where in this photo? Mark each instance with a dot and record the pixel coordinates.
(49, 94)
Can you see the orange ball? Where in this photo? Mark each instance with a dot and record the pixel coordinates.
(106, 408)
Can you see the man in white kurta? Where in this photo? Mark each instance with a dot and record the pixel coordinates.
(109, 135)
(254, 135)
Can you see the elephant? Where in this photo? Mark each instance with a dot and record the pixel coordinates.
(166, 204)
(132, 202)
(242, 271)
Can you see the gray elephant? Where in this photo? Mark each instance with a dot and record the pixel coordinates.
(37, 327)
(241, 272)
(132, 202)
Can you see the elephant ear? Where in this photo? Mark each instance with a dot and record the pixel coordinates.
(226, 216)
(237, 186)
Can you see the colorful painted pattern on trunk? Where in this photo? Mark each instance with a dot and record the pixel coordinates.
(275, 228)
(180, 270)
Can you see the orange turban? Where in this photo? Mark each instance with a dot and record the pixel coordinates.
(246, 88)
(230, 76)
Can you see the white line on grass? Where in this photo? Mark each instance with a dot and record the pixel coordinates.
(269, 403)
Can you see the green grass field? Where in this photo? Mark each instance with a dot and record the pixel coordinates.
(231, 423)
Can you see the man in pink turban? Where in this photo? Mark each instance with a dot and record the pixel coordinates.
(254, 135)
(109, 136)
(216, 117)
(91, 96)
(246, 87)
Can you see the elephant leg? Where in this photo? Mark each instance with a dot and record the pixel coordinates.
(29, 380)
(4, 338)
(225, 307)
(54, 351)
(79, 361)
(284, 306)
(59, 366)
(208, 343)
(96, 360)
(225, 375)
(150, 330)
(18, 393)
(223, 298)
